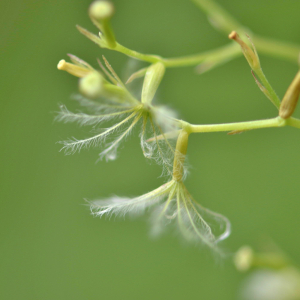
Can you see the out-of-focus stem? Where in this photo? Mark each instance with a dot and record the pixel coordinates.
(222, 20)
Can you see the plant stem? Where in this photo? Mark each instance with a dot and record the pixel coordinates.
(180, 153)
(241, 126)
(226, 23)
(293, 122)
(222, 54)
(137, 55)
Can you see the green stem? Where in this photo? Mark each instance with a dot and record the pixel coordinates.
(239, 126)
(293, 122)
(221, 54)
(226, 23)
(137, 55)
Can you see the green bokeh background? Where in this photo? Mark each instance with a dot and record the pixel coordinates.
(51, 247)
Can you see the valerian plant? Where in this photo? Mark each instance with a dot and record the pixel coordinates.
(164, 138)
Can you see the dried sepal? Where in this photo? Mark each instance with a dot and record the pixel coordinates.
(290, 99)
(250, 54)
(262, 88)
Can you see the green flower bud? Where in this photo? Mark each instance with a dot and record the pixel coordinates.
(243, 259)
(92, 85)
(246, 258)
(101, 10)
(100, 13)
(152, 80)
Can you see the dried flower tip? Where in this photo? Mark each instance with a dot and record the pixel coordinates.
(92, 85)
(250, 55)
(290, 99)
(101, 10)
(152, 81)
(73, 69)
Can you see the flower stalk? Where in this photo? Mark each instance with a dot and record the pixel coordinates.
(180, 153)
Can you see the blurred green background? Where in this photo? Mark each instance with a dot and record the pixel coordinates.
(51, 247)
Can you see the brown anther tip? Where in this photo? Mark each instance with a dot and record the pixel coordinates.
(61, 64)
(233, 35)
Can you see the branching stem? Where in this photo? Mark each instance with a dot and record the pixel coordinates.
(225, 23)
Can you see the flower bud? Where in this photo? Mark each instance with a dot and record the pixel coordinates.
(91, 85)
(246, 258)
(74, 70)
(243, 259)
(250, 55)
(290, 99)
(152, 80)
(100, 13)
(101, 10)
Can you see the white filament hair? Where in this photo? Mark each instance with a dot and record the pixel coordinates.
(102, 105)
(171, 204)
(133, 206)
(160, 150)
(195, 223)
(110, 152)
(74, 145)
(66, 116)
